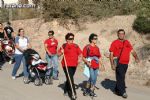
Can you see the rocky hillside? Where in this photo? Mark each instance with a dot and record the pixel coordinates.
(106, 29)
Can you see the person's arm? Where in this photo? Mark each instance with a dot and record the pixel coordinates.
(86, 62)
(101, 64)
(5, 35)
(0, 46)
(17, 46)
(46, 49)
(60, 52)
(84, 57)
(112, 60)
(13, 35)
(135, 56)
(28, 45)
(80, 58)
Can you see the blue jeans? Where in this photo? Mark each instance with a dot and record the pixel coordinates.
(53, 63)
(18, 59)
(93, 76)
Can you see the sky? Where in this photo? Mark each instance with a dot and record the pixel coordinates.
(12, 1)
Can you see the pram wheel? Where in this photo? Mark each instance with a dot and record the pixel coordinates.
(41, 81)
(38, 82)
(26, 80)
(48, 81)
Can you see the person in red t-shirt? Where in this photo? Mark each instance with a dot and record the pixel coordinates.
(92, 52)
(120, 50)
(71, 53)
(51, 54)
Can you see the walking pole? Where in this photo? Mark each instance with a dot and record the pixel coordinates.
(68, 75)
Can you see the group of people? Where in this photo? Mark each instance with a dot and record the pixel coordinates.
(5, 33)
(120, 50)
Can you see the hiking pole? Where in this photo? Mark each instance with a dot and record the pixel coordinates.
(68, 76)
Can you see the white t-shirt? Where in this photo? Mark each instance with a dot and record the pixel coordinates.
(23, 43)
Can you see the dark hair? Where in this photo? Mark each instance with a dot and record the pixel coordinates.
(20, 31)
(120, 31)
(8, 23)
(68, 35)
(51, 32)
(1, 23)
(92, 36)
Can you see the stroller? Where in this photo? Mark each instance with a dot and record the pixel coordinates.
(38, 71)
(8, 49)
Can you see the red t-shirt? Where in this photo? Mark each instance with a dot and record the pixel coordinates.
(116, 48)
(51, 45)
(91, 51)
(71, 52)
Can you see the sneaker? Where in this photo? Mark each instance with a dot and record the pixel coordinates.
(116, 93)
(93, 94)
(124, 95)
(26, 80)
(13, 77)
(74, 98)
(10, 62)
(65, 94)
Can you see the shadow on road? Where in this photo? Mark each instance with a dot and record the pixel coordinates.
(108, 84)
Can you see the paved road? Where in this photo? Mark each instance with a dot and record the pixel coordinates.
(17, 90)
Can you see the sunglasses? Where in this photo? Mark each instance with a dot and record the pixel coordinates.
(70, 38)
(121, 33)
(50, 34)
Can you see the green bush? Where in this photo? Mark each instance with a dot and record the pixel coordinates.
(74, 9)
(142, 25)
(142, 22)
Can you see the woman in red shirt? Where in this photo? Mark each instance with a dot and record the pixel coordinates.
(70, 60)
(51, 45)
(92, 52)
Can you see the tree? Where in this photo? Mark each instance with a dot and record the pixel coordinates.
(1, 3)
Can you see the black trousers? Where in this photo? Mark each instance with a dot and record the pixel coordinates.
(120, 78)
(1, 57)
(67, 87)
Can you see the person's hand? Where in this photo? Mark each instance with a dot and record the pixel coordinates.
(88, 64)
(137, 60)
(62, 50)
(49, 54)
(1, 47)
(113, 67)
